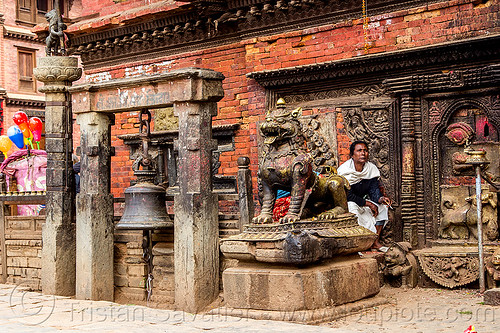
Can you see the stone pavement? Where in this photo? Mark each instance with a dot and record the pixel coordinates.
(414, 310)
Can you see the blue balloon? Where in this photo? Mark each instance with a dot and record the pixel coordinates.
(16, 136)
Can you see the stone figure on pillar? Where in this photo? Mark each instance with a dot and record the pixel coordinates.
(55, 43)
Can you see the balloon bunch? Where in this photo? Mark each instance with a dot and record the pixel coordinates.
(22, 134)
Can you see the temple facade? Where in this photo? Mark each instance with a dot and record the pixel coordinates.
(417, 80)
(396, 74)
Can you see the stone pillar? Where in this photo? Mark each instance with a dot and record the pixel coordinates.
(245, 192)
(94, 222)
(196, 225)
(58, 235)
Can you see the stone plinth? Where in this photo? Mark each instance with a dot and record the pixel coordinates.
(284, 288)
(58, 252)
(301, 242)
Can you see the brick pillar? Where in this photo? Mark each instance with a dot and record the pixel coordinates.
(58, 235)
(94, 232)
(196, 225)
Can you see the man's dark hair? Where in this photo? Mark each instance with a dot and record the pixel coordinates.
(353, 145)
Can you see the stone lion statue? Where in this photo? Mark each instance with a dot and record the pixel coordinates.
(287, 164)
(400, 265)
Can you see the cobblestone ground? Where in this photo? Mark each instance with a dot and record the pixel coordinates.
(417, 310)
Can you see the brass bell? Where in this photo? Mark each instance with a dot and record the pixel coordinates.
(145, 202)
(145, 208)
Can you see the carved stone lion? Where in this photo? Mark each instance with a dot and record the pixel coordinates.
(287, 164)
(400, 264)
(493, 269)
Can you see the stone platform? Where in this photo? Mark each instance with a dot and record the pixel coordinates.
(318, 288)
(298, 243)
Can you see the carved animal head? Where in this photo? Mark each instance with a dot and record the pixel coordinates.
(281, 125)
(396, 255)
(486, 199)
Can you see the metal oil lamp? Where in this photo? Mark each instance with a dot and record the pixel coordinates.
(145, 202)
(477, 159)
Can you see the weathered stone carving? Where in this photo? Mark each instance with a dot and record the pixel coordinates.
(400, 265)
(451, 268)
(286, 164)
(459, 133)
(55, 43)
(299, 242)
(372, 126)
(464, 214)
(493, 269)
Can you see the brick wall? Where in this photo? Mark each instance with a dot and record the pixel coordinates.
(23, 250)
(244, 100)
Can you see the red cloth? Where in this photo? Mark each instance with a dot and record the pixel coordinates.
(281, 208)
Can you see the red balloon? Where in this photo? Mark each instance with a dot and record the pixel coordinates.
(20, 117)
(36, 125)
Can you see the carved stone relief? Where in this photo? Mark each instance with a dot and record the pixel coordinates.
(452, 124)
(459, 209)
(493, 269)
(450, 271)
(164, 119)
(372, 126)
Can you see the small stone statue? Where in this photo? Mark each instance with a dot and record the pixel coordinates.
(493, 269)
(55, 43)
(401, 265)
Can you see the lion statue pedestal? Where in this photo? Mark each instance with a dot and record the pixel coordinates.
(302, 268)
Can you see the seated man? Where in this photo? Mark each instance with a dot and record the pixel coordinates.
(365, 198)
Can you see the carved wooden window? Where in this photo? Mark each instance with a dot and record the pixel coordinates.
(33, 11)
(26, 63)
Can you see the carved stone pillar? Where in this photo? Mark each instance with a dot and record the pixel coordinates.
(196, 244)
(245, 192)
(94, 233)
(409, 105)
(58, 235)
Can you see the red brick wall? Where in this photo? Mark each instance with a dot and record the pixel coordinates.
(244, 100)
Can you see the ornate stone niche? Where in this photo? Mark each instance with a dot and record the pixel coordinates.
(457, 122)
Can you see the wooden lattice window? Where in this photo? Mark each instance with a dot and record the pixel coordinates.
(26, 63)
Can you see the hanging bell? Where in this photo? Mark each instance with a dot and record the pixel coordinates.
(145, 202)
(145, 208)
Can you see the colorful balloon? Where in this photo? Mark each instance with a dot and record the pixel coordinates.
(16, 136)
(5, 144)
(25, 130)
(20, 118)
(35, 125)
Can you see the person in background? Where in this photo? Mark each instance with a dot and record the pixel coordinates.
(365, 198)
(76, 169)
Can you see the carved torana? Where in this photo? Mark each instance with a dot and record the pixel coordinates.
(450, 267)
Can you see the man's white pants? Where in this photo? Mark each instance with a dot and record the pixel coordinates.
(365, 216)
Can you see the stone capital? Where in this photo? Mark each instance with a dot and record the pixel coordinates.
(53, 70)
